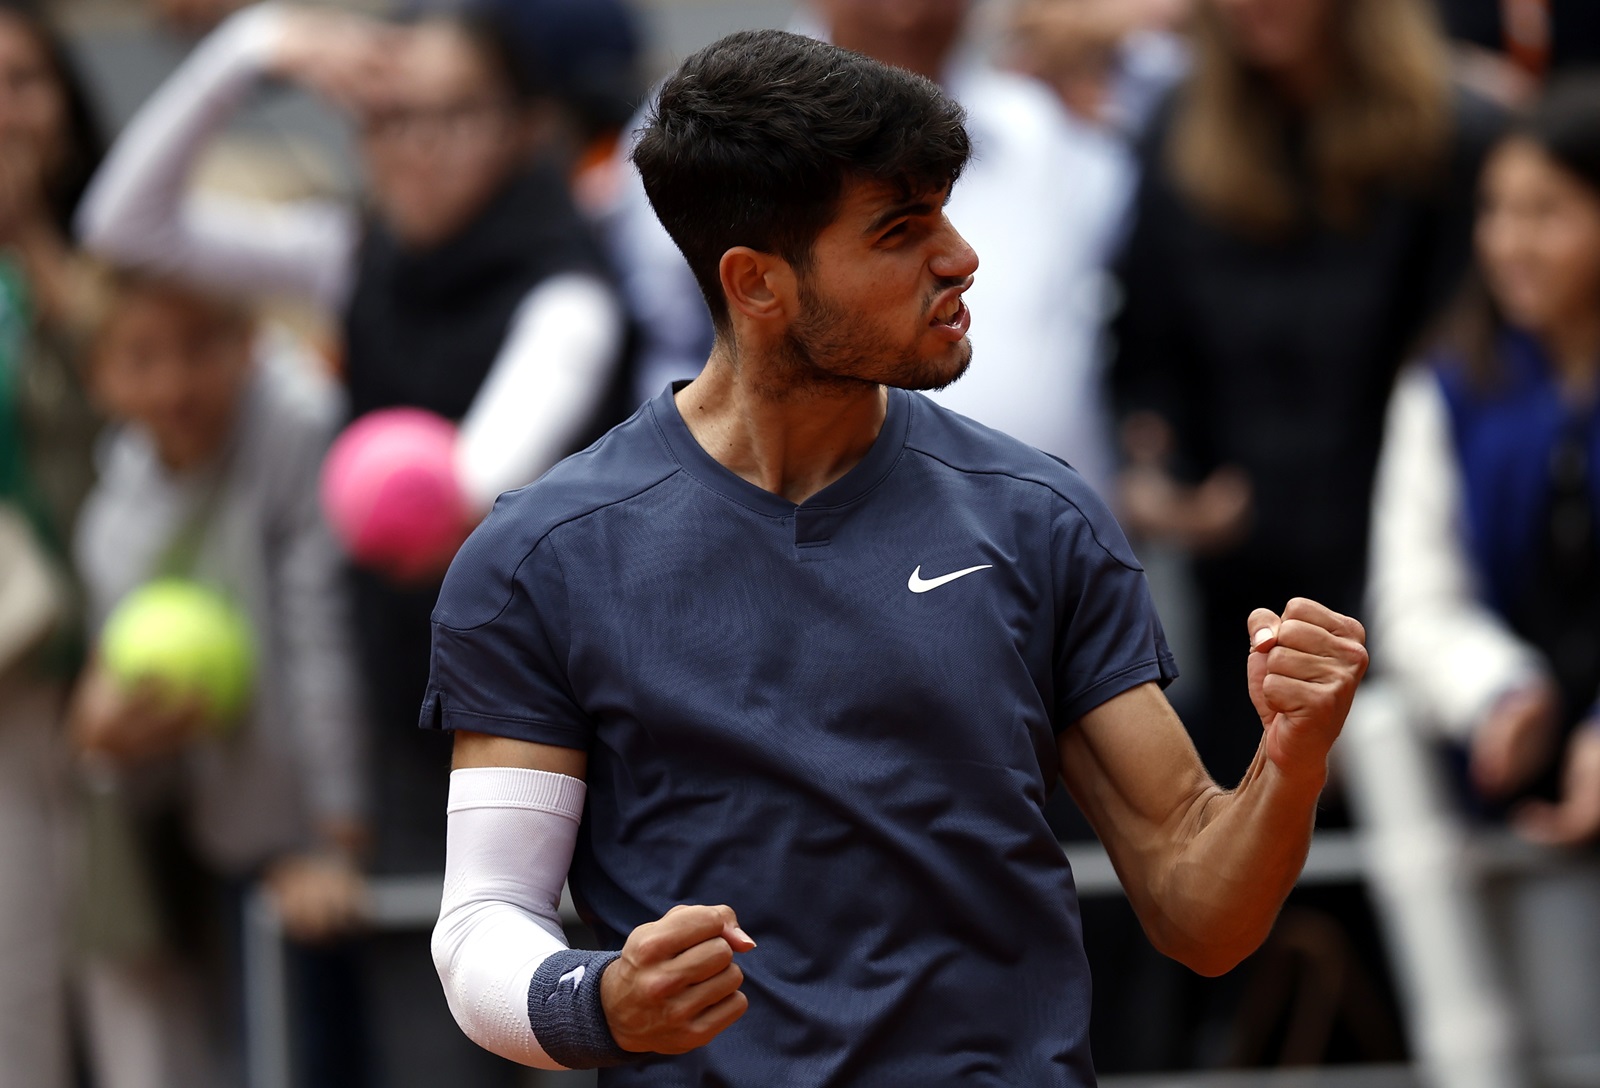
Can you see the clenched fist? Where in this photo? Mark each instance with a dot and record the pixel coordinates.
(1303, 672)
(676, 986)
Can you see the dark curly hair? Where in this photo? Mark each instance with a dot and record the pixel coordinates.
(753, 140)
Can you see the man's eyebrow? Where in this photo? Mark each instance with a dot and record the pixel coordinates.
(899, 211)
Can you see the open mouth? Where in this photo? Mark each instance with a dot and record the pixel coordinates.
(951, 318)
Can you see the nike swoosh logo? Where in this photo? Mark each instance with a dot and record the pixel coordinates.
(918, 584)
(575, 976)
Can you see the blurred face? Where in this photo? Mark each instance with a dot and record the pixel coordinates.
(193, 16)
(33, 106)
(1538, 239)
(176, 365)
(914, 34)
(1276, 36)
(881, 301)
(444, 138)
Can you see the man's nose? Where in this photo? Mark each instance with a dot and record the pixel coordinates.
(956, 259)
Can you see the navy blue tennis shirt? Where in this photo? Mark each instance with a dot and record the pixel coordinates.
(839, 718)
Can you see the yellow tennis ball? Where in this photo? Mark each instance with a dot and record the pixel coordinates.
(187, 638)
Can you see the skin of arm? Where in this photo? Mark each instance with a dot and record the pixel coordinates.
(1207, 869)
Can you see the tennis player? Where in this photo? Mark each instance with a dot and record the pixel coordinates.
(795, 656)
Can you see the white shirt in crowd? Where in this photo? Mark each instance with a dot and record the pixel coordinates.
(1450, 654)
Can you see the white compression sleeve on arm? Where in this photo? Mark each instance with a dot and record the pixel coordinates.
(509, 843)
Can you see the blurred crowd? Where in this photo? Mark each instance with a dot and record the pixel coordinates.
(1308, 289)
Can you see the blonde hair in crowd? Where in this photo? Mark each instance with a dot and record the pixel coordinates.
(1386, 118)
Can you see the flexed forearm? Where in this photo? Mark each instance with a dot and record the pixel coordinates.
(1205, 868)
(1223, 888)
(1229, 877)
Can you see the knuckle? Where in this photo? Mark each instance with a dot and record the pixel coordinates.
(693, 915)
(656, 986)
(675, 1013)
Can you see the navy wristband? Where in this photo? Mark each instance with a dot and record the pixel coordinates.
(565, 1012)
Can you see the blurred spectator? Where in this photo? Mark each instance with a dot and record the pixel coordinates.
(1486, 558)
(589, 52)
(1305, 207)
(193, 17)
(1506, 47)
(471, 288)
(1041, 202)
(212, 476)
(48, 146)
(1108, 60)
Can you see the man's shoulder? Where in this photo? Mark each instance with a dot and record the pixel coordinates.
(966, 447)
(626, 462)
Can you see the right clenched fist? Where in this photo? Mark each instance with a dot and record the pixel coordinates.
(676, 987)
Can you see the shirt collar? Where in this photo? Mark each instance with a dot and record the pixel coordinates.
(853, 485)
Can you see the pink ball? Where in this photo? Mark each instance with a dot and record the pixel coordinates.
(390, 492)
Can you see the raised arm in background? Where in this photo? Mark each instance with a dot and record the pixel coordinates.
(142, 208)
(564, 342)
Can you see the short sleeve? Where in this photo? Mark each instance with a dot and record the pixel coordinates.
(501, 632)
(1109, 637)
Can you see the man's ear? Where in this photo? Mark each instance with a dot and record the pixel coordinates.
(761, 286)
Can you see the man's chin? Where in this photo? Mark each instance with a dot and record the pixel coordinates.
(931, 376)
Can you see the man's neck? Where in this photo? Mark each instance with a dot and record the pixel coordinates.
(791, 442)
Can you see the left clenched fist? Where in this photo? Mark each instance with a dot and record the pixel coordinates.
(1303, 671)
